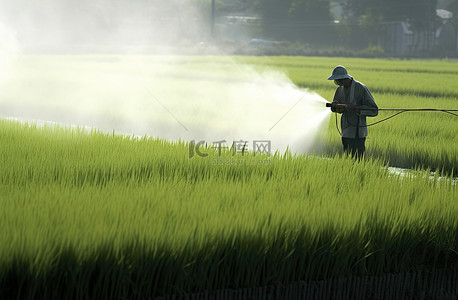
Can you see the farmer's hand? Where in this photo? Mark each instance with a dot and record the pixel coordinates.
(340, 108)
(333, 106)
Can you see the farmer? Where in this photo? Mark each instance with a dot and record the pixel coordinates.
(354, 101)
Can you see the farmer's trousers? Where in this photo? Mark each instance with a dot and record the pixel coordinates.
(355, 147)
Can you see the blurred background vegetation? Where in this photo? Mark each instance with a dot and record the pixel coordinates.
(409, 28)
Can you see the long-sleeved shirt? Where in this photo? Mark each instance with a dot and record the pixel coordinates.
(355, 95)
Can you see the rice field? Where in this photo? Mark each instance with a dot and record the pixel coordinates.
(90, 214)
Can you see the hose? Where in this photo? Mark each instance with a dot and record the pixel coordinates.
(403, 110)
(400, 111)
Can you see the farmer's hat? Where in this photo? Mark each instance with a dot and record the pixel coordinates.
(339, 72)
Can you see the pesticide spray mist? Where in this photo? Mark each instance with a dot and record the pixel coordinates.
(175, 97)
(167, 97)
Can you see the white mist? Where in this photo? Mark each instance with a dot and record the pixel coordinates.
(173, 97)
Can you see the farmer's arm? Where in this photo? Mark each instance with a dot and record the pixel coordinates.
(369, 107)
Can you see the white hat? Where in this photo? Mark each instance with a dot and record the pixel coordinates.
(339, 72)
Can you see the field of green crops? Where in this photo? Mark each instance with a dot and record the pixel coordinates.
(87, 214)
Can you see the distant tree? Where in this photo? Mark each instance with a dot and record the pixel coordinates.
(370, 14)
(296, 20)
(419, 13)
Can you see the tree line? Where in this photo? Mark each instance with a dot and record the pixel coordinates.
(310, 21)
(360, 23)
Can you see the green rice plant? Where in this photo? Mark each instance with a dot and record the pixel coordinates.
(88, 214)
(412, 77)
(91, 214)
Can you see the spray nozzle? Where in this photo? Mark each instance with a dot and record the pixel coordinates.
(336, 107)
